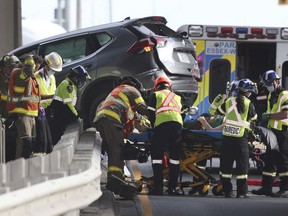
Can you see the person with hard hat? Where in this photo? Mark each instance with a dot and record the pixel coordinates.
(7, 65)
(24, 100)
(240, 115)
(62, 108)
(47, 84)
(114, 120)
(277, 118)
(221, 98)
(166, 119)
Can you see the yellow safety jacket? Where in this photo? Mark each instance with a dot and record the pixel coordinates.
(66, 92)
(168, 107)
(24, 95)
(218, 101)
(277, 107)
(235, 123)
(44, 90)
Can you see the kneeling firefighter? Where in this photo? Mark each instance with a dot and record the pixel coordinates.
(114, 120)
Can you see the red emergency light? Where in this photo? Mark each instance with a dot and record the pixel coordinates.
(256, 30)
(226, 30)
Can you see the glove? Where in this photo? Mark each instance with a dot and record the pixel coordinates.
(265, 116)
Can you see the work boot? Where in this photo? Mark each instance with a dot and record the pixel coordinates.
(175, 192)
(280, 194)
(229, 195)
(156, 192)
(263, 191)
(127, 190)
(114, 184)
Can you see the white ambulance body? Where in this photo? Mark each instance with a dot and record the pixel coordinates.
(227, 53)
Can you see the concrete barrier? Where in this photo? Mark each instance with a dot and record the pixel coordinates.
(59, 183)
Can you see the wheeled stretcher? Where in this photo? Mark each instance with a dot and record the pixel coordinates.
(197, 145)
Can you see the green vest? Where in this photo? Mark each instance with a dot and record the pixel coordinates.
(235, 123)
(277, 124)
(218, 101)
(168, 107)
(44, 90)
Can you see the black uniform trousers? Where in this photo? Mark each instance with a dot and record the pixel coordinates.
(112, 141)
(166, 136)
(280, 161)
(235, 149)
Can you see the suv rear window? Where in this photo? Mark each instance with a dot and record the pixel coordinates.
(156, 29)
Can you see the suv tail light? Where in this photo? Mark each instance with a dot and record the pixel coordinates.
(160, 42)
(143, 45)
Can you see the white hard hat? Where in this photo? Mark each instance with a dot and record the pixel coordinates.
(54, 61)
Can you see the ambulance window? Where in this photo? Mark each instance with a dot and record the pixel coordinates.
(285, 75)
(220, 70)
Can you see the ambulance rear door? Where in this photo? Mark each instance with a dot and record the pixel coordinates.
(219, 63)
(282, 63)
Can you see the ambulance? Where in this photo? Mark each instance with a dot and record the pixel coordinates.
(227, 53)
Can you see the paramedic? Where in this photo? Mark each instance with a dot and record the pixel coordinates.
(277, 116)
(47, 85)
(239, 113)
(114, 119)
(62, 109)
(221, 98)
(165, 116)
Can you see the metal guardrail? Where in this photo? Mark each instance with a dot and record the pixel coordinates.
(59, 183)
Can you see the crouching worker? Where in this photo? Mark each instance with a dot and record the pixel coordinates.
(165, 116)
(114, 119)
(62, 110)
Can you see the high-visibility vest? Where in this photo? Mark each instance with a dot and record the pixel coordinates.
(277, 124)
(235, 123)
(218, 101)
(66, 93)
(44, 90)
(168, 107)
(23, 95)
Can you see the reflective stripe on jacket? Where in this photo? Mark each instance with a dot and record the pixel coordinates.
(24, 95)
(217, 102)
(235, 123)
(277, 107)
(44, 89)
(168, 107)
(66, 93)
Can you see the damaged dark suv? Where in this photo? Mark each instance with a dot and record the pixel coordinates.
(144, 48)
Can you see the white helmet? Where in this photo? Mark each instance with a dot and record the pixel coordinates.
(54, 61)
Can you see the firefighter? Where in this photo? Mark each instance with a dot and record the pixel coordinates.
(166, 119)
(221, 98)
(47, 84)
(277, 117)
(7, 64)
(114, 120)
(24, 99)
(239, 114)
(62, 109)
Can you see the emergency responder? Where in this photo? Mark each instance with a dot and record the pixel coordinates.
(165, 117)
(24, 99)
(47, 85)
(239, 114)
(114, 120)
(221, 98)
(7, 64)
(62, 109)
(277, 116)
